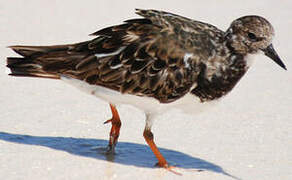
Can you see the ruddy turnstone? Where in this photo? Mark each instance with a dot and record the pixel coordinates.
(155, 63)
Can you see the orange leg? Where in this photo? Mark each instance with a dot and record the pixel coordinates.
(149, 138)
(148, 135)
(115, 130)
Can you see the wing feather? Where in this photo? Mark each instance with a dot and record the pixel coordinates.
(150, 64)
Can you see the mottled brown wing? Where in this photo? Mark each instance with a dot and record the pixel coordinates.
(146, 59)
(141, 58)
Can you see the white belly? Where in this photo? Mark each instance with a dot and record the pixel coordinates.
(189, 104)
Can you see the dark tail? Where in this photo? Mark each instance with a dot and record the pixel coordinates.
(45, 61)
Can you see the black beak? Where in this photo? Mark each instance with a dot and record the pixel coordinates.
(271, 53)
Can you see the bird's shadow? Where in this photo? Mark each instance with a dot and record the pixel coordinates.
(126, 153)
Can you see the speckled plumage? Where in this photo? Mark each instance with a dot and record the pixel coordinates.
(147, 57)
(162, 56)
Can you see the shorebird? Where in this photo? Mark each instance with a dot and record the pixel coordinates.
(155, 63)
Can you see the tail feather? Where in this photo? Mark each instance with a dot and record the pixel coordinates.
(36, 50)
(23, 67)
(44, 61)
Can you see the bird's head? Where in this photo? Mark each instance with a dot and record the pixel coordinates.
(252, 34)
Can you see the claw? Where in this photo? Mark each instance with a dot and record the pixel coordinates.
(110, 149)
(169, 168)
(108, 121)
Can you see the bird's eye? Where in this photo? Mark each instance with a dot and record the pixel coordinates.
(252, 36)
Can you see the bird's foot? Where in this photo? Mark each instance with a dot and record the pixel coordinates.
(110, 149)
(169, 168)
